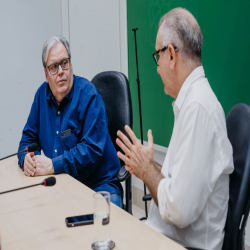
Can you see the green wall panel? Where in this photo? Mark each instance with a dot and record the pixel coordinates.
(225, 25)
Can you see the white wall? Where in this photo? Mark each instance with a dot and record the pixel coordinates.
(24, 26)
(97, 33)
(96, 30)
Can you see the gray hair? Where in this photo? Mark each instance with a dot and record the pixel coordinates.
(180, 28)
(50, 43)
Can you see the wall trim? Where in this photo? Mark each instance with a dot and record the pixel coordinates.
(137, 195)
(65, 19)
(247, 243)
(123, 37)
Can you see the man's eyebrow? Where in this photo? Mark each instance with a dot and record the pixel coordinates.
(59, 61)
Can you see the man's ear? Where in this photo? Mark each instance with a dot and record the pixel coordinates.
(46, 74)
(172, 56)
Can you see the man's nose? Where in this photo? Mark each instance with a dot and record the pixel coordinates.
(158, 70)
(60, 70)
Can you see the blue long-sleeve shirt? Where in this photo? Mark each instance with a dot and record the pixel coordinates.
(88, 153)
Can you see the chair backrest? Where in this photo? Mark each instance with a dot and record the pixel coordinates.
(114, 88)
(238, 128)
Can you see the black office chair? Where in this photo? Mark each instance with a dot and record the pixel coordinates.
(114, 88)
(238, 129)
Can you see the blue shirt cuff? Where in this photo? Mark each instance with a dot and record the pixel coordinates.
(58, 164)
(21, 159)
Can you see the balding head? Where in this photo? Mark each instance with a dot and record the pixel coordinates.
(179, 28)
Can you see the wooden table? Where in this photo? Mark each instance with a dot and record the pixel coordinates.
(34, 218)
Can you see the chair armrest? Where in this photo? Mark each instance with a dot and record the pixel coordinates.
(123, 174)
(147, 197)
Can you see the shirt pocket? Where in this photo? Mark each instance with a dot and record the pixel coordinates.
(69, 142)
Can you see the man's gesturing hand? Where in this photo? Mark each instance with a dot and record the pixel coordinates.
(138, 158)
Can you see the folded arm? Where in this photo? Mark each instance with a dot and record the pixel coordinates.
(29, 136)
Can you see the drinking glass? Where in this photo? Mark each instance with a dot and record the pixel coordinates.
(102, 221)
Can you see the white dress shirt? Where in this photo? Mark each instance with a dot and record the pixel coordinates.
(193, 196)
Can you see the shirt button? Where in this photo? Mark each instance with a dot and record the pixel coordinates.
(55, 150)
(58, 112)
(57, 132)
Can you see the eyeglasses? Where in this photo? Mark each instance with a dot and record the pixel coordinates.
(156, 54)
(53, 68)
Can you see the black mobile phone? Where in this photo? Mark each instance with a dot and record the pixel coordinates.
(82, 220)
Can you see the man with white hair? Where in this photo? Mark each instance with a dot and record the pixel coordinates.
(68, 121)
(191, 190)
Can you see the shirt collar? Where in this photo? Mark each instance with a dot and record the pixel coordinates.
(67, 97)
(195, 75)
